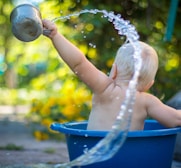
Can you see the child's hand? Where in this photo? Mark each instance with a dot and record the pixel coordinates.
(49, 27)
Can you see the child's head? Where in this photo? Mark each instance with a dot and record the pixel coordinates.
(125, 65)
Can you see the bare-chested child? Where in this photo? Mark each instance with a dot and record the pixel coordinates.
(109, 91)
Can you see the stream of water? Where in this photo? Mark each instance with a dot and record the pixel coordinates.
(107, 147)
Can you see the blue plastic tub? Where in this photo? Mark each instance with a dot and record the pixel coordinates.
(151, 148)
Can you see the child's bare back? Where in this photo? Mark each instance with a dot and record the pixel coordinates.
(106, 107)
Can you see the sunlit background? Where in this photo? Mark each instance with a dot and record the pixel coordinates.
(33, 74)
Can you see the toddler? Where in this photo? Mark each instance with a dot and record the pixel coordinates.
(109, 91)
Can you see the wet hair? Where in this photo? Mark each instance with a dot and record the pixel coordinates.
(125, 64)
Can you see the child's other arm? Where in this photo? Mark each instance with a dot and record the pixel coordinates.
(166, 115)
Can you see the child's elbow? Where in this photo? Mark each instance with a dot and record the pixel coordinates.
(178, 123)
(174, 120)
(178, 119)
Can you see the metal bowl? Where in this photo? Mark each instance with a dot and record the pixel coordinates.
(26, 22)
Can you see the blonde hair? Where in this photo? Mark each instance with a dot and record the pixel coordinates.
(125, 64)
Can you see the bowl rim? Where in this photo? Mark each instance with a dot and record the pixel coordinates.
(69, 129)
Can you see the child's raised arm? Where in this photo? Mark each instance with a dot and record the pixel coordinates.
(75, 59)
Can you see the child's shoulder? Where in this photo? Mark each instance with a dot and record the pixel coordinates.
(148, 98)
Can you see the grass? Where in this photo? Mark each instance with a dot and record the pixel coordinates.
(11, 147)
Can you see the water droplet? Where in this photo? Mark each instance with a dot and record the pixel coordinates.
(123, 107)
(114, 126)
(120, 116)
(86, 150)
(130, 110)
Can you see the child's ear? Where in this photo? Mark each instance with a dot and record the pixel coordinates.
(149, 85)
(113, 73)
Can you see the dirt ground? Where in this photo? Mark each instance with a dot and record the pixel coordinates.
(18, 148)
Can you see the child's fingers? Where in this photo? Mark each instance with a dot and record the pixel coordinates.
(48, 24)
(49, 28)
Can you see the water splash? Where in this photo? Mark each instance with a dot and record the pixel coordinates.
(107, 147)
